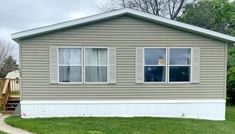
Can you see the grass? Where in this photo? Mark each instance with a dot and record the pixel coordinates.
(137, 125)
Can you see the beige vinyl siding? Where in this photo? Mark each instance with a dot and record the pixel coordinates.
(125, 34)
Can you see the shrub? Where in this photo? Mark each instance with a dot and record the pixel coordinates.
(231, 85)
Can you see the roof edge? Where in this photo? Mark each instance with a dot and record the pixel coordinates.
(107, 15)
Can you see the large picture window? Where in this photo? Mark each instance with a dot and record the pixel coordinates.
(154, 64)
(96, 64)
(70, 66)
(180, 65)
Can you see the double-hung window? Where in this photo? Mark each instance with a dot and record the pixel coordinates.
(155, 65)
(96, 64)
(167, 65)
(72, 69)
(180, 65)
(70, 65)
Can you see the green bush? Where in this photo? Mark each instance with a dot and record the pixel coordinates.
(231, 75)
(231, 85)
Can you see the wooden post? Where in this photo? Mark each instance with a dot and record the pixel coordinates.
(6, 93)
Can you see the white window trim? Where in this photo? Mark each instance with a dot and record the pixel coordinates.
(157, 82)
(58, 64)
(84, 69)
(167, 72)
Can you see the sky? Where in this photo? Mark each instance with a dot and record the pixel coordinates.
(19, 15)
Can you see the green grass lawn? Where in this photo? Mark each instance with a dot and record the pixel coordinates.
(137, 125)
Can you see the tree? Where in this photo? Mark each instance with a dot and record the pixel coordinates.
(217, 15)
(4, 50)
(231, 74)
(166, 8)
(9, 64)
(7, 61)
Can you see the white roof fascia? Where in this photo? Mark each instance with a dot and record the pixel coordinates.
(147, 16)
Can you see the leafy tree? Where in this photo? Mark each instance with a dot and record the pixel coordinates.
(9, 64)
(217, 15)
(231, 74)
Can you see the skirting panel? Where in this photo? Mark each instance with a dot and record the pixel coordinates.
(198, 109)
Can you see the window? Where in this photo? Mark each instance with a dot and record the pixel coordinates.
(154, 64)
(70, 66)
(95, 64)
(179, 64)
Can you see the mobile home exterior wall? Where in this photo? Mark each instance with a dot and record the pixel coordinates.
(125, 33)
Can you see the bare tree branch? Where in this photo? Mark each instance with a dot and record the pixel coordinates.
(123, 3)
(157, 6)
(178, 9)
(169, 8)
(4, 50)
(166, 8)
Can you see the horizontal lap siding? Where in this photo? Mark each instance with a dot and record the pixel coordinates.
(124, 33)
